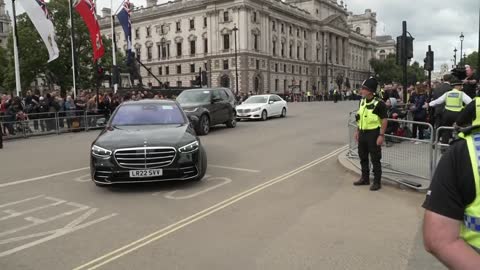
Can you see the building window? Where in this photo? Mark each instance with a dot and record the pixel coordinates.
(317, 36)
(285, 68)
(276, 85)
(304, 53)
(283, 28)
(193, 48)
(138, 52)
(205, 45)
(316, 10)
(273, 26)
(290, 50)
(1, 28)
(254, 16)
(179, 69)
(255, 42)
(167, 70)
(306, 71)
(205, 66)
(318, 54)
(298, 32)
(149, 53)
(358, 30)
(159, 50)
(284, 85)
(290, 31)
(160, 71)
(274, 48)
(164, 52)
(298, 52)
(205, 22)
(225, 16)
(192, 24)
(257, 64)
(225, 64)
(148, 31)
(276, 67)
(305, 34)
(179, 49)
(137, 33)
(178, 27)
(226, 42)
(179, 83)
(168, 51)
(162, 29)
(300, 84)
(192, 68)
(283, 49)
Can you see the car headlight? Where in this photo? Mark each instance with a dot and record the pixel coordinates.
(101, 152)
(256, 109)
(191, 147)
(192, 110)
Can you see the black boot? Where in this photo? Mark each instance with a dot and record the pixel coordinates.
(376, 186)
(364, 181)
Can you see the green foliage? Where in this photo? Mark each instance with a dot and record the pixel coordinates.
(388, 71)
(34, 55)
(472, 60)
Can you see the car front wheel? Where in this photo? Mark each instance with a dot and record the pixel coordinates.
(264, 115)
(284, 113)
(204, 125)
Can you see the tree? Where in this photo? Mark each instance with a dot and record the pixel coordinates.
(34, 55)
(388, 71)
(472, 60)
(3, 68)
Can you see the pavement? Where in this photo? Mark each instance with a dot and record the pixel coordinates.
(274, 197)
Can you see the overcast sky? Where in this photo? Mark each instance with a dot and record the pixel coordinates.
(431, 22)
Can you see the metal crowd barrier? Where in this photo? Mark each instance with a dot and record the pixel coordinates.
(39, 124)
(410, 161)
(440, 147)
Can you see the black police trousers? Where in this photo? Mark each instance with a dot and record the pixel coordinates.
(367, 144)
(448, 118)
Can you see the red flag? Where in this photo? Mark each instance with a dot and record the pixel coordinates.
(86, 9)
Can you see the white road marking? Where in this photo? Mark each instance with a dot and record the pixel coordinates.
(21, 201)
(233, 168)
(84, 178)
(109, 257)
(41, 177)
(17, 214)
(225, 181)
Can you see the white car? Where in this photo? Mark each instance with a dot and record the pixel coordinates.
(262, 107)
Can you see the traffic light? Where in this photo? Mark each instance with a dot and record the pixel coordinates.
(429, 61)
(400, 50)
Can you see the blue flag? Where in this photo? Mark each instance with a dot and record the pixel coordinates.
(124, 19)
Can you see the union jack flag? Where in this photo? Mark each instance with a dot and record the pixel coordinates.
(43, 6)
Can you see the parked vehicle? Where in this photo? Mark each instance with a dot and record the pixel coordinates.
(211, 106)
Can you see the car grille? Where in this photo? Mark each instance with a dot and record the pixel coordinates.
(244, 111)
(145, 157)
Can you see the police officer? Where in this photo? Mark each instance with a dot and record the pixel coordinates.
(370, 135)
(335, 95)
(451, 229)
(453, 101)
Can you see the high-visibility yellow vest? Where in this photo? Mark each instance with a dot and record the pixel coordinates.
(476, 120)
(367, 120)
(454, 101)
(470, 229)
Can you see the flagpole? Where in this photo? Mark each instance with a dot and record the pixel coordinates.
(114, 50)
(15, 51)
(72, 42)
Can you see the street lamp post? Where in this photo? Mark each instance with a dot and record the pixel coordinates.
(455, 57)
(235, 29)
(462, 37)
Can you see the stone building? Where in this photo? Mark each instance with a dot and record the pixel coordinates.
(4, 25)
(291, 46)
(386, 46)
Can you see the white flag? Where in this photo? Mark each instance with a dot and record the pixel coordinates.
(40, 17)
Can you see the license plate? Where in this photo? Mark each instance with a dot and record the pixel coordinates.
(146, 173)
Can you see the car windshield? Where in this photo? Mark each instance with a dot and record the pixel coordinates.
(148, 114)
(194, 97)
(256, 100)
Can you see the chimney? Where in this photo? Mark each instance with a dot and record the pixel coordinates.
(106, 12)
(151, 3)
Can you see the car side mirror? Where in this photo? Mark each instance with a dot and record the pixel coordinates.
(271, 102)
(193, 119)
(216, 100)
(101, 122)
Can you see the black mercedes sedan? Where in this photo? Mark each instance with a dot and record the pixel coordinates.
(147, 141)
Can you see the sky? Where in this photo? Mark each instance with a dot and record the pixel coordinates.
(438, 23)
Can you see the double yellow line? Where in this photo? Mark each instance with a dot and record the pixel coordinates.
(107, 258)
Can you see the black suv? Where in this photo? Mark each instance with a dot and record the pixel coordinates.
(211, 106)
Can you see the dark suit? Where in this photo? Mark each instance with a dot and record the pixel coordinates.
(438, 110)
